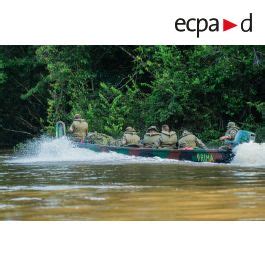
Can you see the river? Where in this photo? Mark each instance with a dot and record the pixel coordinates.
(54, 181)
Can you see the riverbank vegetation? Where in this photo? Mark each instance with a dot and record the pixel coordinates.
(200, 88)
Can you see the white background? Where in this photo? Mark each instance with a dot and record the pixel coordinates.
(127, 22)
(132, 243)
(123, 21)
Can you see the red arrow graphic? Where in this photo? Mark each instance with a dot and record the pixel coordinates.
(228, 25)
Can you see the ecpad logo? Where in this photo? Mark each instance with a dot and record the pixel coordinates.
(199, 25)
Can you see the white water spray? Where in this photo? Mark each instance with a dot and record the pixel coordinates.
(250, 155)
(58, 150)
(50, 150)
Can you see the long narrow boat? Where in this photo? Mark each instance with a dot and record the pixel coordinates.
(195, 155)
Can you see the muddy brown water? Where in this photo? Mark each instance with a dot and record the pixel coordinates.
(72, 190)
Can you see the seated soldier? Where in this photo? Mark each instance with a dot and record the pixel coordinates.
(168, 139)
(151, 138)
(130, 137)
(190, 141)
(100, 138)
(231, 132)
(230, 135)
(79, 128)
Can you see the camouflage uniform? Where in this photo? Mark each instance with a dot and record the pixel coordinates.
(100, 138)
(168, 139)
(130, 137)
(190, 140)
(151, 139)
(230, 133)
(79, 128)
(232, 130)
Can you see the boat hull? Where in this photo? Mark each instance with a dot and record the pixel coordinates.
(195, 155)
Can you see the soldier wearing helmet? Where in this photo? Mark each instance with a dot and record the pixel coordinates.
(168, 138)
(231, 132)
(79, 128)
(189, 140)
(151, 137)
(130, 137)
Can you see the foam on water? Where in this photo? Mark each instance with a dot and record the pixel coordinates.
(250, 155)
(63, 150)
(59, 150)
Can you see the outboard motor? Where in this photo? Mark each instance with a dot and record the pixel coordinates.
(60, 129)
(242, 137)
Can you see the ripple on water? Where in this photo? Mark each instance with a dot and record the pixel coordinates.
(26, 199)
(95, 198)
(248, 174)
(72, 187)
(5, 206)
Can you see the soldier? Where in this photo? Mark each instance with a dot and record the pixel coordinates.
(231, 132)
(79, 128)
(130, 137)
(188, 140)
(168, 139)
(151, 138)
(100, 138)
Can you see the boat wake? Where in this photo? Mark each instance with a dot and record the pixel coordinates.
(249, 155)
(52, 150)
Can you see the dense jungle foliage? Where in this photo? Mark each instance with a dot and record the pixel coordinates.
(200, 88)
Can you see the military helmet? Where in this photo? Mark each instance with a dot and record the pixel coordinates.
(152, 128)
(186, 132)
(231, 124)
(130, 129)
(77, 116)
